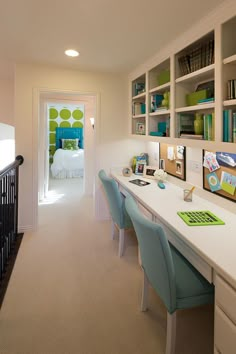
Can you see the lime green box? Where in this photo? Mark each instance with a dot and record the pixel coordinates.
(163, 77)
(193, 98)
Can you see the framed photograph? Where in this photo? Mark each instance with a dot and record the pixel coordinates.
(140, 128)
(139, 169)
(178, 167)
(149, 171)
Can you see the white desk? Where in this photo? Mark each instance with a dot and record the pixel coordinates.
(211, 249)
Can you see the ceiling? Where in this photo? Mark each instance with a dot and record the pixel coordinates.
(111, 36)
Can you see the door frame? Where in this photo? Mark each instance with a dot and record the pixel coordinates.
(37, 143)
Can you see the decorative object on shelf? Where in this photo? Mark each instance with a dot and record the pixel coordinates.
(156, 101)
(149, 172)
(166, 101)
(127, 171)
(163, 77)
(193, 98)
(140, 128)
(160, 175)
(198, 124)
(139, 87)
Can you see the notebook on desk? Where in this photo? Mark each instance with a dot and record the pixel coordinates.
(200, 218)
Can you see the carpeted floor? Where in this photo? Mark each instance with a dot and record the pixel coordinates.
(70, 293)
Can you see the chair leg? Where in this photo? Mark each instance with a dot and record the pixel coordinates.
(171, 333)
(121, 242)
(144, 301)
(112, 229)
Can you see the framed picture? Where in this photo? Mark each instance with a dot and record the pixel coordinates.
(178, 166)
(139, 169)
(149, 171)
(140, 128)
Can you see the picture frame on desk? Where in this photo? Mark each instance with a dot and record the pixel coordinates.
(149, 171)
(139, 169)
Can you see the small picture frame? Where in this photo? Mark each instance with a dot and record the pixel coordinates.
(140, 128)
(139, 169)
(178, 166)
(149, 171)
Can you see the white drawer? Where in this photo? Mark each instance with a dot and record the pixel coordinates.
(225, 297)
(225, 333)
(202, 266)
(145, 212)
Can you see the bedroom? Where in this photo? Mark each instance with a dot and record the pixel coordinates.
(65, 116)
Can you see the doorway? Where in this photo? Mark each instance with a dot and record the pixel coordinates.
(90, 108)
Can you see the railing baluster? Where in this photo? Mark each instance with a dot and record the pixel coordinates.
(9, 178)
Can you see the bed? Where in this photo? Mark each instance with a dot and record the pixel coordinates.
(68, 160)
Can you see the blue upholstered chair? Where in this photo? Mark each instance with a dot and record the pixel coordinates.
(117, 208)
(176, 281)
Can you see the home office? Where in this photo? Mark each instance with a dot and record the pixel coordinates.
(199, 230)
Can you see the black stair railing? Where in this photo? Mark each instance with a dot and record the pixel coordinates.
(9, 184)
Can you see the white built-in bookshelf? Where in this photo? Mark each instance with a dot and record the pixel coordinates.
(204, 68)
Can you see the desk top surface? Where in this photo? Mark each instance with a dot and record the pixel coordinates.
(216, 244)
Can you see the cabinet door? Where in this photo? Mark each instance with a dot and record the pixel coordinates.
(225, 333)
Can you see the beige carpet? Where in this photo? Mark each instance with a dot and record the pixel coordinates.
(70, 293)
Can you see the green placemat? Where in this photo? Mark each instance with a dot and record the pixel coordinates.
(200, 218)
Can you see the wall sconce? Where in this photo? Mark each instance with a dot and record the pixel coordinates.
(92, 122)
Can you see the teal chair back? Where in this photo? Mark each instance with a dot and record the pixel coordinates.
(116, 201)
(155, 255)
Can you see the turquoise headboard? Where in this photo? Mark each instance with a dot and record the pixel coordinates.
(69, 133)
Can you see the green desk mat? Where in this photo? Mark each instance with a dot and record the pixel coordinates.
(200, 218)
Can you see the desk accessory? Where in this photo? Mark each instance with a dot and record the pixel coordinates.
(127, 171)
(161, 185)
(200, 218)
(139, 182)
(188, 194)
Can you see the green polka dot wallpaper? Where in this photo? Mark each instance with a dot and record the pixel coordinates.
(64, 116)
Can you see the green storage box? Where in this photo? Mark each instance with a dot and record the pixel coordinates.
(163, 77)
(193, 98)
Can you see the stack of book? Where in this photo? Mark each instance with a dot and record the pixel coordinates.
(229, 126)
(200, 56)
(231, 89)
(138, 108)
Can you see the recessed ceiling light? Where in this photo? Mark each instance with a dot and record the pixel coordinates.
(71, 53)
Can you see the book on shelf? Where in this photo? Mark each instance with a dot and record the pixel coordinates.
(229, 126)
(206, 100)
(234, 127)
(231, 89)
(209, 125)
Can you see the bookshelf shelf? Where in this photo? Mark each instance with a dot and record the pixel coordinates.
(160, 113)
(228, 103)
(230, 60)
(161, 88)
(139, 116)
(202, 74)
(195, 108)
(141, 95)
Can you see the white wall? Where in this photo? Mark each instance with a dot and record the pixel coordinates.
(7, 101)
(7, 145)
(112, 145)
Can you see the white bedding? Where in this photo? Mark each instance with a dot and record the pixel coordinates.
(68, 163)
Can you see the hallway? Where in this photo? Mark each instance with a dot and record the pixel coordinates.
(71, 294)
